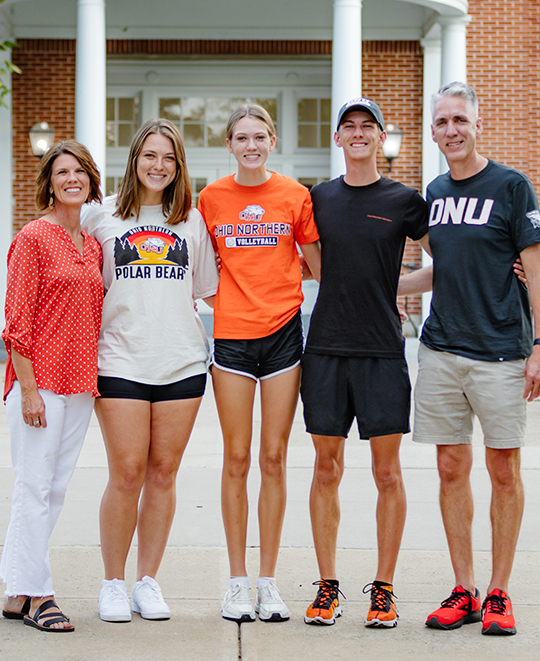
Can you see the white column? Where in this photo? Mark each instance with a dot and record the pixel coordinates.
(346, 66)
(90, 92)
(430, 151)
(453, 55)
(431, 83)
(453, 49)
(6, 188)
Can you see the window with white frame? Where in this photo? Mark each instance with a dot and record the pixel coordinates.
(197, 184)
(112, 184)
(314, 119)
(122, 120)
(203, 120)
(199, 97)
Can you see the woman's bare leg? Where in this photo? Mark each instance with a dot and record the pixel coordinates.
(234, 399)
(125, 425)
(172, 423)
(279, 396)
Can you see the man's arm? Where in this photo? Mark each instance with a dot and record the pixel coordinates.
(530, 258)
(419, 281)
(416, 282)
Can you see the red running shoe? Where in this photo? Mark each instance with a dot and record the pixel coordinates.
(461, 607)
(497, 616)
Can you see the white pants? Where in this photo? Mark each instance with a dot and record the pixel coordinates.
(43, 461)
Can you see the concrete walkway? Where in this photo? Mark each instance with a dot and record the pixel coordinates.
(194, 572)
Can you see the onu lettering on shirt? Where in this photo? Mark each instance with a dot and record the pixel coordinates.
(464, 210)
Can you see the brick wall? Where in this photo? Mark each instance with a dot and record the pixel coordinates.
(392, 76)
(218, 47)
(44, 92)
(503, 65)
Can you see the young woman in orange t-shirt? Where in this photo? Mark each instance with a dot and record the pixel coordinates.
(256, 219)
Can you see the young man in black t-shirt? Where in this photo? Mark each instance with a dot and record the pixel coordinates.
(477, 355)
(354, 365)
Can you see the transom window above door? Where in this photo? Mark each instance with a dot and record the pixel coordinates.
(203, 120)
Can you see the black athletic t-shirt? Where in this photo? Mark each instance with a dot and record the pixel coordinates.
(362, 231)
(477, 228)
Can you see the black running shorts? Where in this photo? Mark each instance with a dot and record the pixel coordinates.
(111, 387)
(263, 357)
(337, 389)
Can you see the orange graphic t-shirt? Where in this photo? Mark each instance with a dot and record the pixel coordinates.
(255, 230)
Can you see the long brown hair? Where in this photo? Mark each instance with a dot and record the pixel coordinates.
(43, 178)
(176, 202)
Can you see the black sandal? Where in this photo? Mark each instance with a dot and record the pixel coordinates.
(32, 621)
(10, 615)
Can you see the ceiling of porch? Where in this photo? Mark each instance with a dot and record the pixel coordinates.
(233, 19)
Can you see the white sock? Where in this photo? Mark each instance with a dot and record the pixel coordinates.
(244, 580)
(263, 581)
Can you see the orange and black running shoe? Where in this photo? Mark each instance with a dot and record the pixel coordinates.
(325, 608)
(383, 611)
(461, 607)
(497, 615)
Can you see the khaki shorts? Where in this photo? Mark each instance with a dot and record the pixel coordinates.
(451, 390)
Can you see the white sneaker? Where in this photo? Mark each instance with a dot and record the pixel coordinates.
(269, 604)
(237, 604)
(114, 601)
(147, 600)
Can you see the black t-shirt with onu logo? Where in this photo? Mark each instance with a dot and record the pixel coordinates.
(477, 228)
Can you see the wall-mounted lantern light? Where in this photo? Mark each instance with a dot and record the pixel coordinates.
(392, 144)
(41, 138)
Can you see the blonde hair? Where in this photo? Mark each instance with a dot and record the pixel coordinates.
(43, 178)
(176, 202)
(250, 110)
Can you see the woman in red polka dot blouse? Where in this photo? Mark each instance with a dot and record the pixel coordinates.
(53, 314)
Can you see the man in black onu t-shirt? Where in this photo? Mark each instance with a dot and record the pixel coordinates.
(354, 365)
(476, 355)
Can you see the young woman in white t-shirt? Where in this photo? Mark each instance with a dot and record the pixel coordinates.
(152, 364)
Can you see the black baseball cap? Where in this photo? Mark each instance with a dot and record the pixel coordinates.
(365, 105)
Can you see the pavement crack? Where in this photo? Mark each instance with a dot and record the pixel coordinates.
(239, 641)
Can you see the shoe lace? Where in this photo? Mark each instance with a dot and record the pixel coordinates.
(495, 604)
(456, 599)
(273, 591)
(326, 594)
(381, 598)
(115, 594)
(149, 590)
(240, 593)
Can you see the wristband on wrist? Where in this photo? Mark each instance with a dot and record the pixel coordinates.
(537, 341)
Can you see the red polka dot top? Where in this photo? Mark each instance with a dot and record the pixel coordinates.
(53, 308)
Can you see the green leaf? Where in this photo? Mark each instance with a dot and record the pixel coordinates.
(13, 67)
